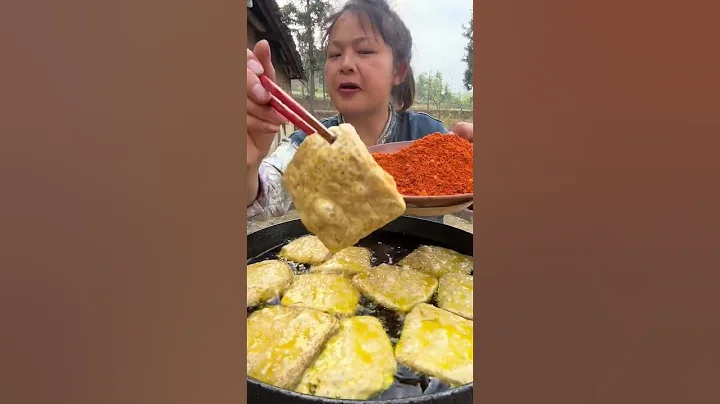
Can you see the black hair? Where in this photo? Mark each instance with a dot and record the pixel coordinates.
(393, 31)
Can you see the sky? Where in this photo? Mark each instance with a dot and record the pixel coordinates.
(436, 28)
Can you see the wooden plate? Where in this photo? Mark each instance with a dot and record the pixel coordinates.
(423, 201)
(437, 211)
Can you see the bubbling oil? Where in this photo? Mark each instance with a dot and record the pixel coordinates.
(387, 248)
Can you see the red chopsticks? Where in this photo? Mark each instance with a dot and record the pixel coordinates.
(294, 112)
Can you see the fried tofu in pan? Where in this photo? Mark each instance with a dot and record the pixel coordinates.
(330, 293)
(455, 294)
(282, 342)
(437, 261)
(348, 261)
(266, 280)
(305, 250)
(357, 363)
(396, 288)
(437, 343)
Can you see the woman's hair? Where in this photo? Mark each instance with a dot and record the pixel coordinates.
(385, 22)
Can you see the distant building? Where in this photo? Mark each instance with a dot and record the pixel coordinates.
(264, 22)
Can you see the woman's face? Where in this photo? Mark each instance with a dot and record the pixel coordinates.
(359, 71)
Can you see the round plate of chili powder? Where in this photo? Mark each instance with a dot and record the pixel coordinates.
(434, 171)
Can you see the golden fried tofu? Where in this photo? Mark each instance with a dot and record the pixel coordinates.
(267, 279)
(305, 250)
(282, 342)
(357, 363)
(437, 343)
(340, 191)
(455, 294)
(437, 261)
(348, 261)
(325, 292)
(396, 288)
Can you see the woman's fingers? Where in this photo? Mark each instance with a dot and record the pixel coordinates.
(256, 91)
(262, 53)
(263, 122)
(265, 113)
(259, 129)
(464, 130)
(253, 63)
(261, 134)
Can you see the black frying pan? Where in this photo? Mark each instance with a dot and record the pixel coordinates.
(398, 239)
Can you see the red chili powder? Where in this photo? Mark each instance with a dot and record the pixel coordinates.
(437, 164)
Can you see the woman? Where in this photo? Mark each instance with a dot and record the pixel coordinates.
(369, 81)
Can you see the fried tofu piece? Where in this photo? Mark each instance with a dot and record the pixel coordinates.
(348, 261)
(437, 343)
(266, 280)
(455, 294)
(396, 288)
(437, 261)
(340, 191)
(282, 342)
(357, 363)
(305, 250)
(325, 292)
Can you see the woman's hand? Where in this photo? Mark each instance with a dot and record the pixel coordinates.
(263, 122)
(464, 130)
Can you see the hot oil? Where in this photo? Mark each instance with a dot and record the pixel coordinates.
(387, 248)
(392, 322)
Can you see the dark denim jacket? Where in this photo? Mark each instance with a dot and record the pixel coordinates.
(274, 201)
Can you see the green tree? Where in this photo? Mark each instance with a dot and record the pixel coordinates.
(438, 89)
(421, 89)
(306, 18)
(466, 100)
(468, 58)
(433, 88)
